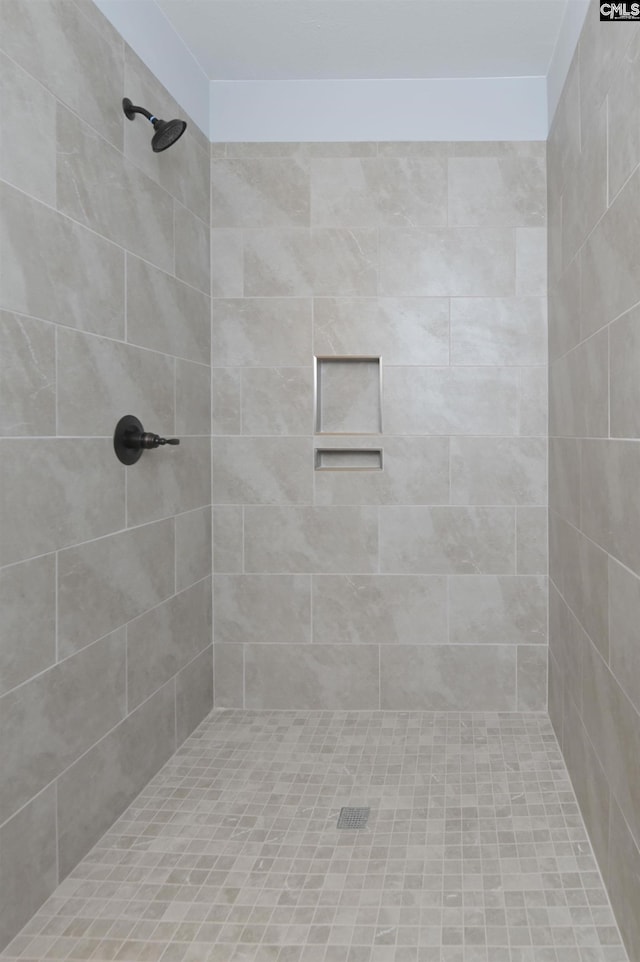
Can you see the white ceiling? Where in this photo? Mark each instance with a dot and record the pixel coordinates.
(236, 40)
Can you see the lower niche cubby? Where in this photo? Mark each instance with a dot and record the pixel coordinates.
(348, 459)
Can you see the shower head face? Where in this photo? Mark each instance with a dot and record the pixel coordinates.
(167, 132)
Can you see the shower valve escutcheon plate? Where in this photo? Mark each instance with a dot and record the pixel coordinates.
(130, 440)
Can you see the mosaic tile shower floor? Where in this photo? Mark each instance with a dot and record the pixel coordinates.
(475, 850)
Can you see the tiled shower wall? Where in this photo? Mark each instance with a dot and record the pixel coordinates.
(105, 589)
(422, 586)
(594, 348)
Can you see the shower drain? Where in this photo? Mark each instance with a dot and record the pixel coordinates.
(353, 818)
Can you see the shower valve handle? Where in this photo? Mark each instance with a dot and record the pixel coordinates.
(147, 440)
(131, 440)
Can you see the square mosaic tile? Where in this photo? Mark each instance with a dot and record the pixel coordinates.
(474, 851)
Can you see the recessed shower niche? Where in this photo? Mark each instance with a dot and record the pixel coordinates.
(348, 395)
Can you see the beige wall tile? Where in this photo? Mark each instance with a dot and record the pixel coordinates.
(27, 376)
(447, 540)
(314, 676)
(379, 609)
(499, 610)
(27, 620)
(439, 677)
(262, 608)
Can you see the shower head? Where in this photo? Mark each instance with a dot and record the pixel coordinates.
(166, 131)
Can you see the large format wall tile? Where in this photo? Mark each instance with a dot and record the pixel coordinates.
(192, 248)
(270, 192)
(579, 569)
(498, 471)
(154, 301)
(311, 539)
(277, 400)
(589, 780)
(579, 395)
(311, 676)
(415, 471)
(499, 610)
(63, 51)
(165, 639)
(262, 471)
(194, 694)
(379, 609)
(492, 330)
(497, 192)
(261, 332)
(30, 165)
(27, 376)
(443, 677)
(193, 547)
(623, 129)
(610, 511)
(57, 492)
(169, 481)
(624, 362)
(262, 608)
(378, 192)
(45, 260)
(27, 620)
(97, 186)
(100, 380)
(94, 791)
(400, 330)
(49, 722)
(447, 540)
(461, 400)
(623, 878)
(122, 575)
(531, 681)
(28, 867)
(448, 262)
(624, 617)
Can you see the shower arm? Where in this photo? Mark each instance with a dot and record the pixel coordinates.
(130, 109)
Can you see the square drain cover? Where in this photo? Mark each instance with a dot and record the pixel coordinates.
(353, 818)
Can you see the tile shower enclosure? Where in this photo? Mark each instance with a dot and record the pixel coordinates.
(422, 585)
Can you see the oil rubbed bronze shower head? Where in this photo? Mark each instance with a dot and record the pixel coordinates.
(166, 131)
